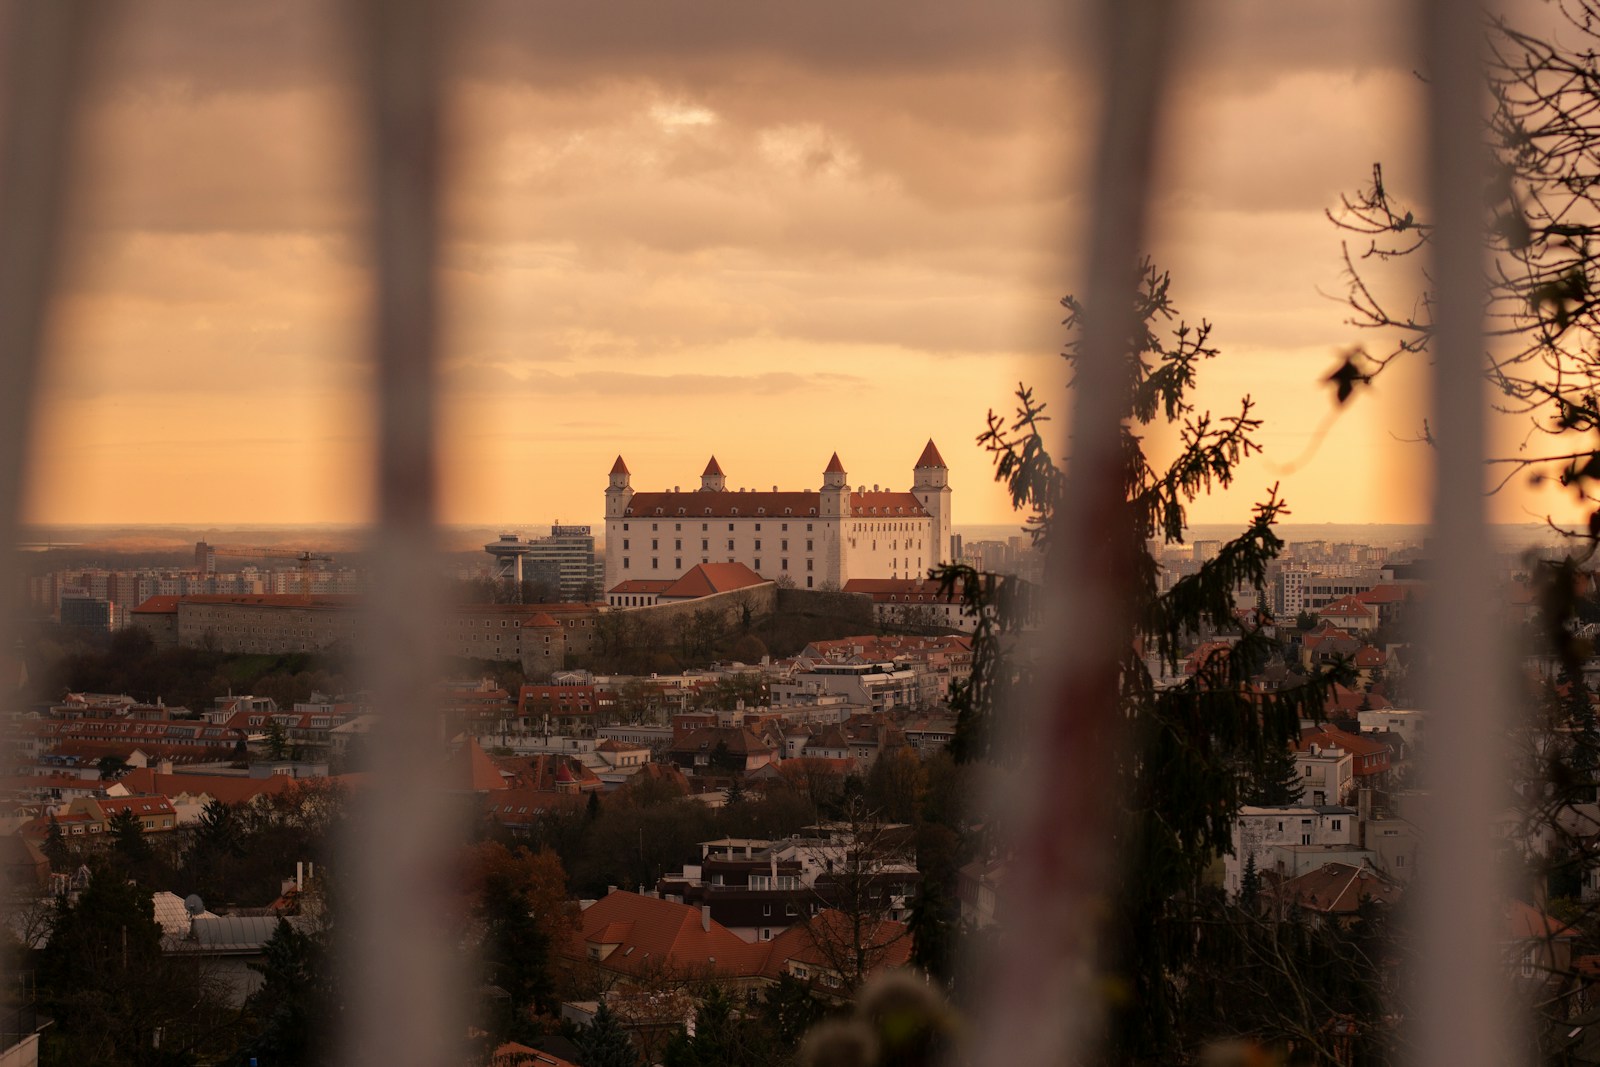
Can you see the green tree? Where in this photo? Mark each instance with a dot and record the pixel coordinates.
(1179, 781)
(55, 848)
(277, 741)
(605, 1043)
(294, 1013)
(130, 851)
(1274, 780)
(790, 1010)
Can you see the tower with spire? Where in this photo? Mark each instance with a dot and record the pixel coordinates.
(713, 480)
(620, 491)
(930, 481)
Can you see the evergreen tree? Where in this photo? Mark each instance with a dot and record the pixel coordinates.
(592, 807)
(1249, 883)
(1275, 780)
(295, 1010)
(130, 852)
(1178, 781)
(605, 1043)
(55, 848)
(789, 1010)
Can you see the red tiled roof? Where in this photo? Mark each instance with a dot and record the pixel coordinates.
(641, 585)
(782, 504)
(1387, 593)
(902, 590)
(704, 579)
(229, 790)
(712, 467)
(834, 466)
(1525, 922)
(158, 605)
(1332, 737)
(1368, 656)
(888, 944)
(930, 456)
(1347, 607)
(472, 769)
(652, 934)
(619, 467)
(1338, 889)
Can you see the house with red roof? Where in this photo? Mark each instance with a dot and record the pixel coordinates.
(1350, 613)
(1369, 758)
(629, 940)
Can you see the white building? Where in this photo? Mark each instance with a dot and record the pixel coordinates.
(815, 539)
(1258, 830)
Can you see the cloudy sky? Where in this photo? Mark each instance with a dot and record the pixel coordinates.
(756, 230)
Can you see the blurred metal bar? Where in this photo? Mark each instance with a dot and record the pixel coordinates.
(1463, 987)
(1044, 1006)
(42, 63)
(402, 986)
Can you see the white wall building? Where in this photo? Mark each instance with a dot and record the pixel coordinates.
(1258, 829)
(816, 539)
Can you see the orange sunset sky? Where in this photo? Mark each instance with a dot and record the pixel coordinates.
(756, 230)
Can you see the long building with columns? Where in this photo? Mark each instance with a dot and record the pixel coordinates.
(816, 539)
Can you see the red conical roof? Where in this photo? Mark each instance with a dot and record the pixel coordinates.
(620, 467)
(712, 468)
(834, 466)
(930, 457)
(563, 773)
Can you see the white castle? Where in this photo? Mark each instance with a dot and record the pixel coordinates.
(816, 539)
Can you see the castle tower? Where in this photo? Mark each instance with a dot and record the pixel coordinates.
(833, 507)
(930, 481)
(620, 490)
(713, 480)
(618, 495)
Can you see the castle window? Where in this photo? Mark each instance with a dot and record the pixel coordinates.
(678, 543)
(653, 564)
(808, 525)
(757, 567)
(703, 525)
(786, 544)
(653, 525)
(678, 525)
(624, 562)
(783, 565)
(705, 546)
(758, 544)
(624, 543)
(677, 564)
(730, 544)
(708, 511)
(680, 512)
(808, 581)
(730, 527)
(760, 511)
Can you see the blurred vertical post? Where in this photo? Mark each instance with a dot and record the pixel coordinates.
(1462, 1014)
(1045, 1005)
(42, 48)
(401, 985)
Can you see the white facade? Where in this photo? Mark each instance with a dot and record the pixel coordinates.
(1258, 829)
(812, 539)
(1326, 773)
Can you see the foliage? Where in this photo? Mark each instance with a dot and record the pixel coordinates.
(296, 1010)
(605, 1043)
(114, 997)
(521, 900)
(1180, 783)
(722, 1037)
